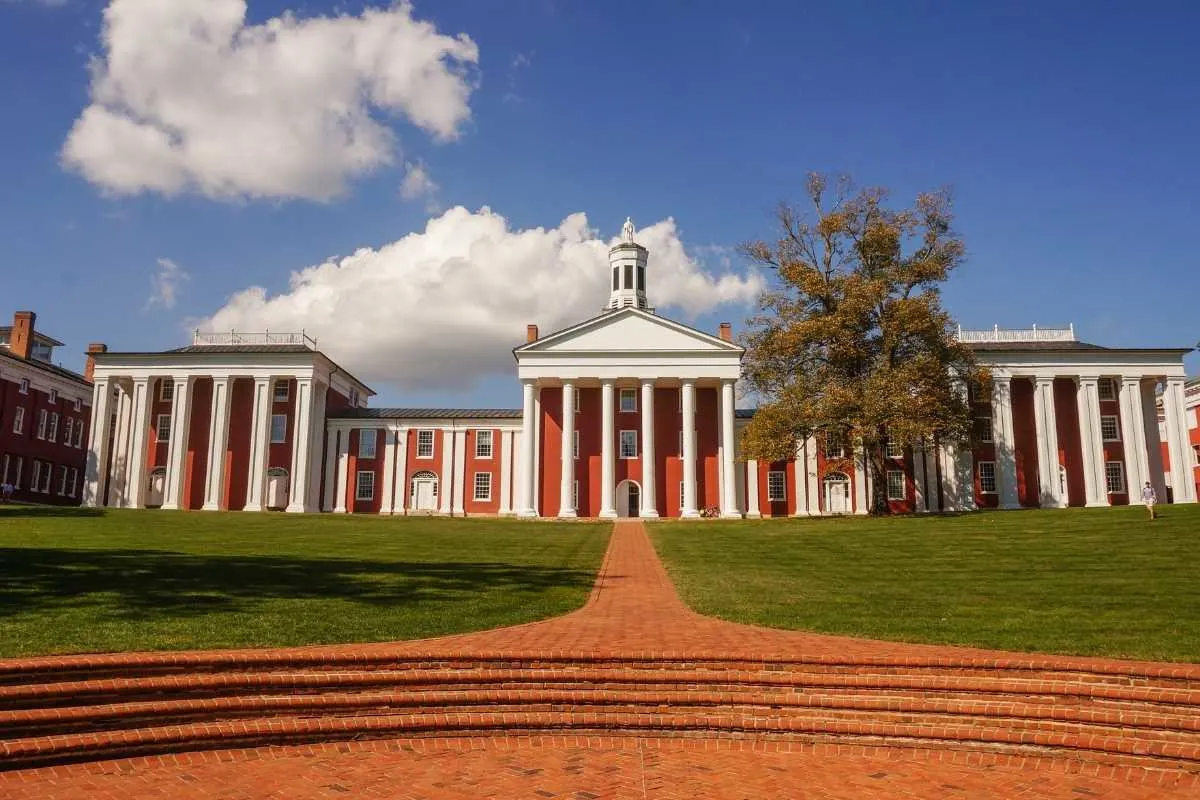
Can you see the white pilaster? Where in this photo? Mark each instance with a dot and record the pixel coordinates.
(1183, 487)
(800, 468)
(1087, 398)
(218, 444)
(388, 499)
(97, 457)
(342, 483)
(920, 482)
(608, 466)
(506, 472)
(331, 458)
(526, 485)
(729, 507)
(1045, 421)
(260, 443)
(1004, 442)
(812, 497)
(301, 438)
(316, 436)
(177, 444)
(400, 506)
(140, 423)
(1133, 435)
(448, 480)
(649, 496)
(752, 509)
(689, 451)
(460, 471)
(566, 489)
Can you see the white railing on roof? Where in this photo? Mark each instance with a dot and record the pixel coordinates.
(1005, 335)
(264, 338)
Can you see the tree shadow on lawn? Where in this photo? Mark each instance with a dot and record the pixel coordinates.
(147, 584)
(18, 510)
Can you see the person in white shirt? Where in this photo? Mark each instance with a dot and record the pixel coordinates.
(1149, 498)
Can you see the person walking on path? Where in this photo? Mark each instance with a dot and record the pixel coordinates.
(1149, 498)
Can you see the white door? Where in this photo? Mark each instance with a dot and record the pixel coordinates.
(277, 489)
(837, 497)
(424, 499)
(154, 491)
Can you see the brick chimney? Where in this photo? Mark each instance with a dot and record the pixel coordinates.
(90, 368)
(726, 331)
(21, 343)
(531, 333)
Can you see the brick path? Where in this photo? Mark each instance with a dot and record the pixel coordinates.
(633, 612)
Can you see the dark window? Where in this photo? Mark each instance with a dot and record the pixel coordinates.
(616, 278)
(641, 278)
(629, 276)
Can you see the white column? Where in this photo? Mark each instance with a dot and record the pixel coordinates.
(800, 468)
(402, 487)
(729, 507)
(608, 466)
(459, 465)
(218, 443)
(118, 472)
(1004, 442)
(525, 505)
(1154, 459)
(649, 496)
(97, 457)
(1045, 422)
(388, 498)
(331, 456)
(301, 439)
(316, 435)
(447, 481)
(689, 451)
(140, 423)
(506, 470)
(752, 509)
(1133, 435)
(177, 444)
(1087, 399)
(861, 490)
(566, 489)
(260, 443)
(342, 482)
(1183, 486)
(920, 482)
(812, 497)
(932, 498)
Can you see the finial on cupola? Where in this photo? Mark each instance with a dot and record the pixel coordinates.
(628, 231)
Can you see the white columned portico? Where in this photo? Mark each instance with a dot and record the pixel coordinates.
(301, 435)
(1045, 421)
(177, 444)
(140, 422)
(387, 501)
(97, 457)
(260, 442)
(1004, 442)
(566, 489)
(689, 451)
(331, 455)
(1183, 487)
(649, 495)
(527, 484)
(1087, 399)
(729, 507)
(608, 466)
(342, 483)
(218, 443)
(752, 506)
(1133, 434)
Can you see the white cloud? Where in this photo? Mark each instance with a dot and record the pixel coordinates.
(417, 183)
(443, 307)
(164, 284)
(188, 97)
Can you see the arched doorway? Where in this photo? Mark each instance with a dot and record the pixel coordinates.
(629, 499)
(837, 493)
(155, 487)
(277, 488)
(423, 492)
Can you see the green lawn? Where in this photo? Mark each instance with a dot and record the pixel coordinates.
(1082, 581)
(74, 582)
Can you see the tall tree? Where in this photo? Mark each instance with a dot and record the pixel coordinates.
(851, 339)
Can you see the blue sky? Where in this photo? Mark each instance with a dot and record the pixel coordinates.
(1067, 131)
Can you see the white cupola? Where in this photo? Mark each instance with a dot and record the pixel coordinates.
(627, 260)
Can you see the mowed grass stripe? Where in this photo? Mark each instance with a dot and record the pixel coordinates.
(1078, 581)
(73, 582)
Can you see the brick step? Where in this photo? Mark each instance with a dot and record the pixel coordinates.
(1131, 716)
(1079, 742)
(70, 693)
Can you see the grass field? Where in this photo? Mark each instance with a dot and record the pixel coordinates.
(74, 582)
(1081, 581)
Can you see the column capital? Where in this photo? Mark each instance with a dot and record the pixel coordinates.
(1174, 380)
(1044, 380)
(1131, 380)
(608, 383)
(1089, 378)
(1002, 380)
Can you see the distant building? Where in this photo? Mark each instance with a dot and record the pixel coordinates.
(624, 414)
(44, 416)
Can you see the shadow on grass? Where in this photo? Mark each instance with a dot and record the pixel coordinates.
(16, 511)
(149, 584)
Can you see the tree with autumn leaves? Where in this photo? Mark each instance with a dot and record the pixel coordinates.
(851, 339)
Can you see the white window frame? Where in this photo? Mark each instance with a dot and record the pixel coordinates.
(78, 404)
(47, 476)
(23, 388)
(621, 395)
(74, 481)
(482, 480)
(1114, 470)
(777, 480)
(68, 431)
(43, 420)
(158, 428)
(20, 470)
(19, 420)
(166, 390)
(986, 434)
(365, 436)
(681, 444)
(62, 482)
(1105, 390)
(358, 485)
(52, 430)
(54, 397)
(575, 444)
(991, 476)
(893, 449)
(621, 441)
(840, 440)
(283, 437)
(1116, 428)
(4, 472)
(903, 490)
(482, 436)
(421, 445)
(575, 399)
(575, 494)
(278, 396)
(37, 475)
(79, 434)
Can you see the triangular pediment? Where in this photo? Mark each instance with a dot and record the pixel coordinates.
(629, 330)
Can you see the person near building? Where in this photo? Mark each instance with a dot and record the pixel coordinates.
(1149, 498)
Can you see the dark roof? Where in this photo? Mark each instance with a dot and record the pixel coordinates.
(1066, 347)
(243, 348)
(45, 366)
(427, 413)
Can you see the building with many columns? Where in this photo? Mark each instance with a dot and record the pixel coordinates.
(624, 414)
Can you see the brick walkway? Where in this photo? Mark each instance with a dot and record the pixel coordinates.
(633, 612)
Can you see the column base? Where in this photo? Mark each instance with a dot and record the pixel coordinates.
(753, 515)
(341, 510)
(297, 509)
(211, 507)
(804, 513)
(649, 514)
(608, 513)
(731, 515)
(861, 512)
(527, 513)
(249, 507)
(1098, 504)
(689, 513)
(171, 507)
(568, 515)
